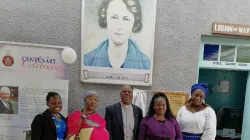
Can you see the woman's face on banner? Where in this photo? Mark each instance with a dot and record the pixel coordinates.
(120, 22)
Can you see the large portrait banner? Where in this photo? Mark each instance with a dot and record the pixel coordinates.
(117, 41)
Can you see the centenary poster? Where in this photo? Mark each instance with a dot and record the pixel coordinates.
(28, 72)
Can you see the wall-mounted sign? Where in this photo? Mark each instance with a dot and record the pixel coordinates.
(231, 29)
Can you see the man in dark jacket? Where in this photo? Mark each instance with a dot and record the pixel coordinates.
(123, 118)
(5, 105)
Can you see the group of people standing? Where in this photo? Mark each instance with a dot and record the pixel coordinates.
(124, 120)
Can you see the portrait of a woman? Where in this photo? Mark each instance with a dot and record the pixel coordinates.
(121, 18)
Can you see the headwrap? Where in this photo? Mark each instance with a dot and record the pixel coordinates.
(90, 92)
(201, 86)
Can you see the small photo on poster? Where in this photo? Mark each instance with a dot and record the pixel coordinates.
(8, 99)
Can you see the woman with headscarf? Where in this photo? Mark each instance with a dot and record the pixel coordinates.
(159, 124)
(197, 119)
(87, 124)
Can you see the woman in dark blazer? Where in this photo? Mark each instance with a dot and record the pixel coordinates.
(50, 125)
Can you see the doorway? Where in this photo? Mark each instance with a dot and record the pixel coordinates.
(227, 91)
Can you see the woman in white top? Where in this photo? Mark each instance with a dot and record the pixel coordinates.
(197, 119)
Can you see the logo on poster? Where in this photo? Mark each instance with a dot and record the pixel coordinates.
(8, 60)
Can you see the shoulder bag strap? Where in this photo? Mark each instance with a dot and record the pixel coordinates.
(77, 134)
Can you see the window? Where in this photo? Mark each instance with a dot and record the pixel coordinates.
(227, 53)
(210, 52)
(243, 54)
(224, 53)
